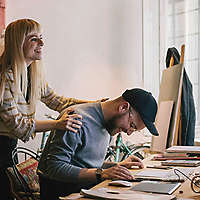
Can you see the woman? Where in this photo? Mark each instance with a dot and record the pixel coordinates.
(21, 85)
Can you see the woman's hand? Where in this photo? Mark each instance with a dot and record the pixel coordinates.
(69, 121)
(99, 100)
(132, 161)
(117, 173)
(102, 100)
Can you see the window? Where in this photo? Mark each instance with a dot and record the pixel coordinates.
(183, 27)
(171, 23)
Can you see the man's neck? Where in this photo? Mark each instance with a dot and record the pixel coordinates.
(107, 109)
(110, 110)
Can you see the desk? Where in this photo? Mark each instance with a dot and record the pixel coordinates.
(185, 187)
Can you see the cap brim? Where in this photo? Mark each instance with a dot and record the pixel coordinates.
(151, 127)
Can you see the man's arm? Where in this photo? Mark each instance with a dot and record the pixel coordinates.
(116, 172)
(112, 170)
(59, 167)
(61, 149)
(108, 164)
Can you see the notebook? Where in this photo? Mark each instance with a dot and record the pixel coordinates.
(183, 163)
(156, 187)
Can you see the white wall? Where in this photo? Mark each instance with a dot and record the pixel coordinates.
(151, 45)
(93, 48)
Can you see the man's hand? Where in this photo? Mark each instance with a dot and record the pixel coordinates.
(117, 173)
(132, 161)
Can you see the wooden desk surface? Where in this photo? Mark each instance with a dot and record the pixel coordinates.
(185, 187)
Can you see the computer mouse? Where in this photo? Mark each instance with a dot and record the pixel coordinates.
(120, 183)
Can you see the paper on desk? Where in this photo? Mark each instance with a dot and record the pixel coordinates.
(105, 193)
(155, 173)
(164, 174)
(184, 149)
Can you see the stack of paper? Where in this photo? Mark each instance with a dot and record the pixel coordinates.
(184, 149)
(172, 156)
(182, 163)
(179, 153)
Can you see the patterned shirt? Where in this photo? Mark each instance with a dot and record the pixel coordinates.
(17, 116)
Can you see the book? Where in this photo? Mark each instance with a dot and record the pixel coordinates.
(156, 187)
(174, 154)
(156, 158)
(182, 163)
(184, 149)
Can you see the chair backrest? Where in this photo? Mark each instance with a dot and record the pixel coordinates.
(25, 172)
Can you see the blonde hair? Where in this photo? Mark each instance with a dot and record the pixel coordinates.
(13, 58)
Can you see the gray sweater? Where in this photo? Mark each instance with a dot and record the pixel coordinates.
(66, 153)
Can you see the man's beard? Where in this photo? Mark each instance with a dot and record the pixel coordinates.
(111, 125)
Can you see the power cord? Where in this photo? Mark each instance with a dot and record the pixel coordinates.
(195, 181)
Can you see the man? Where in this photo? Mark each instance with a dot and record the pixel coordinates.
(73, 161)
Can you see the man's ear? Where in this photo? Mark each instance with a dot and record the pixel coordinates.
(124, 107)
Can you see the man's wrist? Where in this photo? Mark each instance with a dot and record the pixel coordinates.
(99, 174)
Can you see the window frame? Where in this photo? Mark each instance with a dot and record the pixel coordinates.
(157, 14)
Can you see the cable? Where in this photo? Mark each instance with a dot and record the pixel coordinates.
(195, 181)
(177, 170)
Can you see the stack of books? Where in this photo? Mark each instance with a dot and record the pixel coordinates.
(179, 153)
(171, 156)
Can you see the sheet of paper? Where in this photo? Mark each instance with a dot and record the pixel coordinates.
(160, 174)
(152, 173)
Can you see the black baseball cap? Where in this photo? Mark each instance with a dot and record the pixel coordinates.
(145, 104)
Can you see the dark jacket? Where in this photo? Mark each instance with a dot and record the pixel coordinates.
(188, 116)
